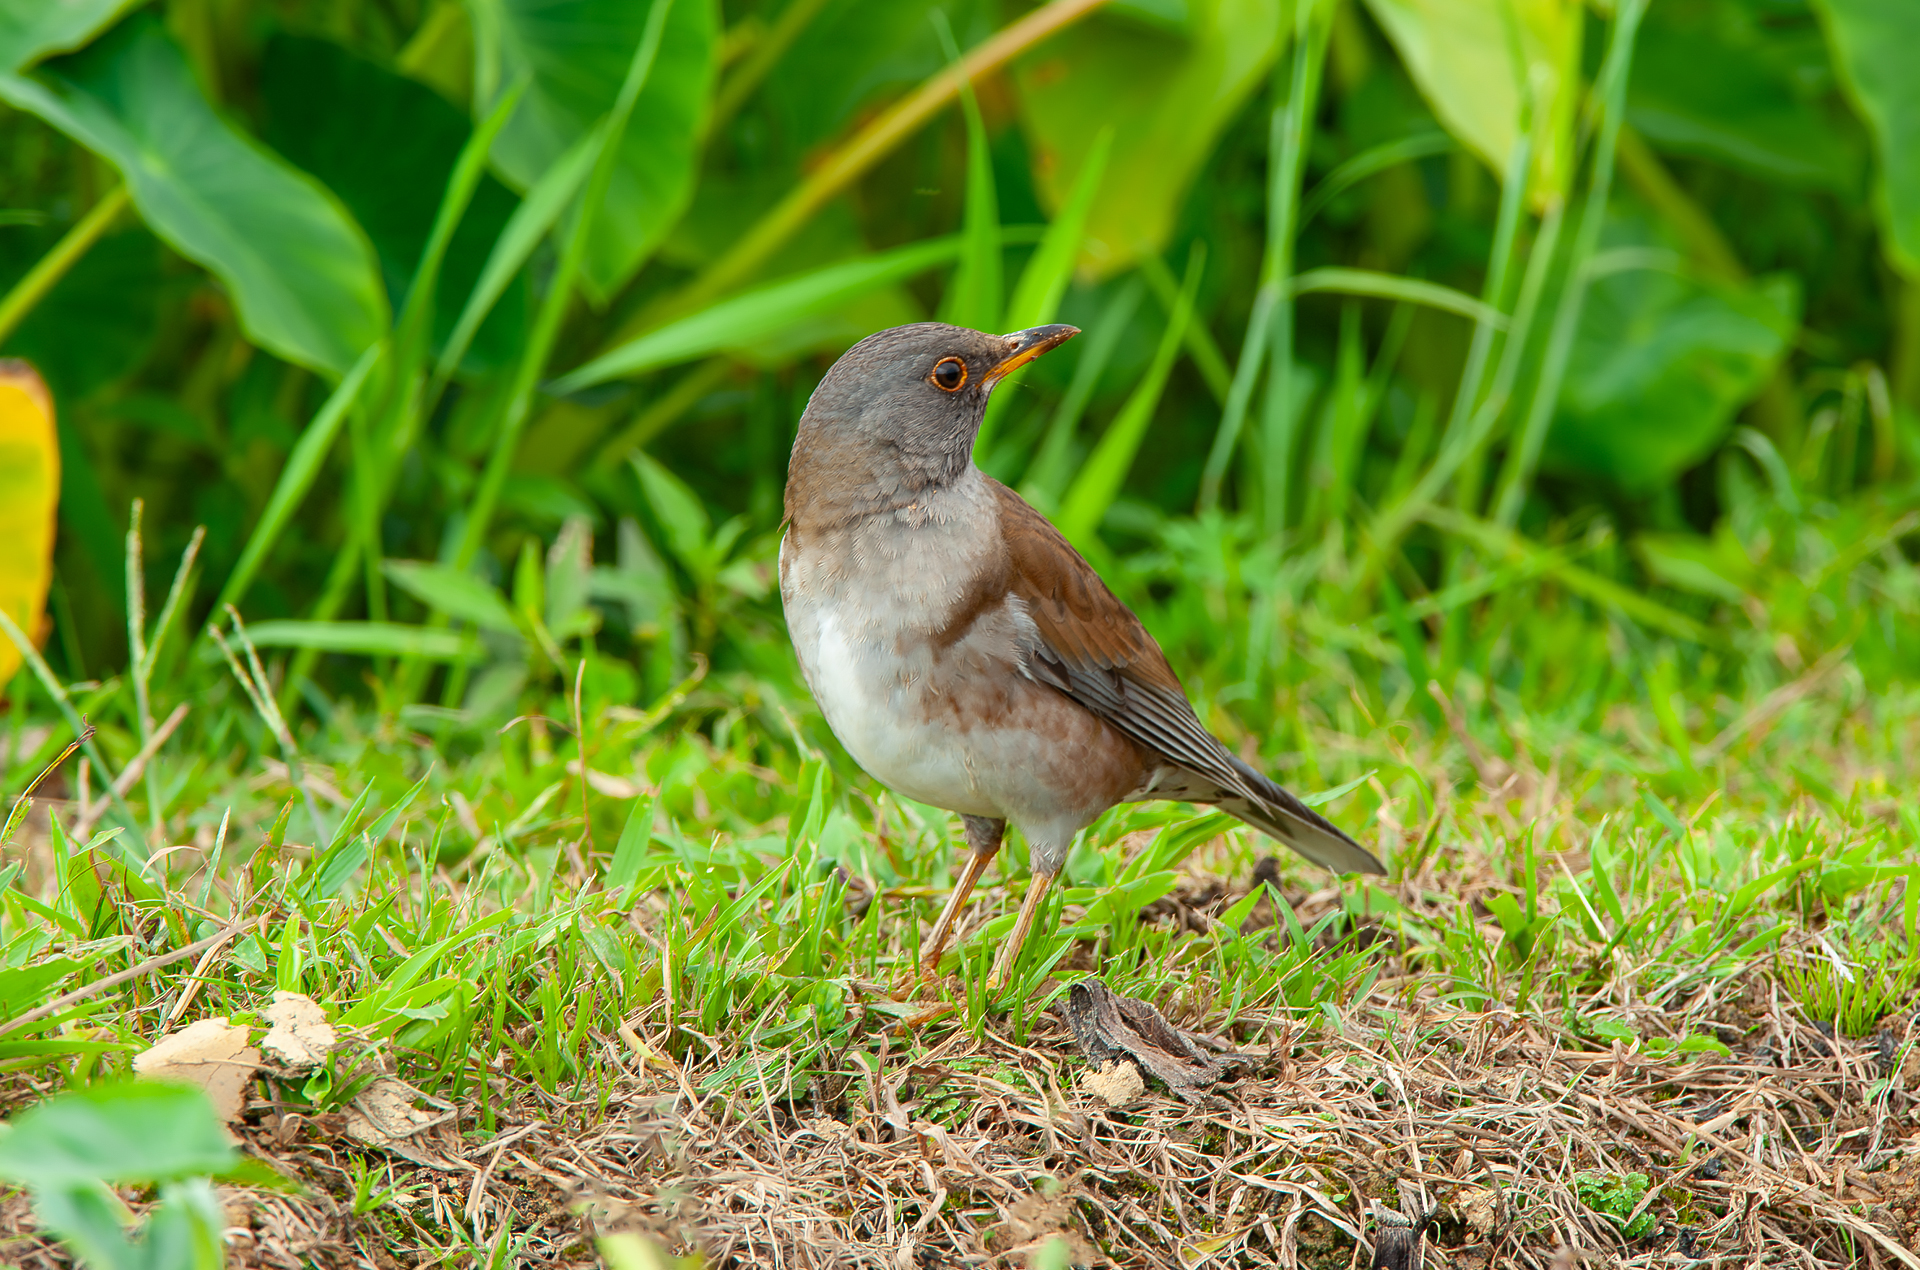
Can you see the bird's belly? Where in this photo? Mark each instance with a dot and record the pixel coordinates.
(874, 702)
(964, 729)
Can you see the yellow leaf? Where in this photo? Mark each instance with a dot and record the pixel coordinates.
(29, 497)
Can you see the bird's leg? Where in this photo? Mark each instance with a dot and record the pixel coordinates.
(983, 839)
(1010, 951)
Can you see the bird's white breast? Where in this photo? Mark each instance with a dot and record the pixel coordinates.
(863, 607)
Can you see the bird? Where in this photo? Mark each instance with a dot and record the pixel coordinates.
(959, 647)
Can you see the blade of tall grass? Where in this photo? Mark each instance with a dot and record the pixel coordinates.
(1388, 286)
(62, 256)
(1253, 348)
(1455, 450)
(752, 316)
(1388, 154)
(1500, 542)
(559, 297)
(537, 213)
(1201, 348)
(379, 447)
(412, 330)
(1100, 479)
(1611, 92)
(1052, 468)
(975, 295)
(1313, 26)
(1043, 283)
(82, 730)
(367, 639)
(849, 161)
(297, 477)
(136, 581)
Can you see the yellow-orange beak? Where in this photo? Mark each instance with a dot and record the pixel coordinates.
(1025, 346)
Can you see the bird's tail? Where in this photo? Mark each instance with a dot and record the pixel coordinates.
(1278, 814)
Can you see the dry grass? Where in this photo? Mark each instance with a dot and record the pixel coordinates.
(1799, 1149)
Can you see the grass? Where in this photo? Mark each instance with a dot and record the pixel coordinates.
(1633, 929)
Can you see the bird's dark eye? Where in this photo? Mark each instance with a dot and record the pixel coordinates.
(948, 374)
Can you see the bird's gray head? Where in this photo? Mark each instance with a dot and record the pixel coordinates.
(898, 413)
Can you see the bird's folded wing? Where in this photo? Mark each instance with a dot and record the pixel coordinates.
(1096, 651)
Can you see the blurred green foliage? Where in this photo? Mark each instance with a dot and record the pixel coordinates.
(477, 332)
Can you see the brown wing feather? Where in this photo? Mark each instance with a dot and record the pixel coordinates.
(1094, 649)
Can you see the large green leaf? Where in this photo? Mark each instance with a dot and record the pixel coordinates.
(322, 104)
(32, 29)
(1876, 46)
(1462, 55)
(578, 52)
(136, 1132)
(1709, 80)
(1661, 363)
(1165, 95)
(301, 273)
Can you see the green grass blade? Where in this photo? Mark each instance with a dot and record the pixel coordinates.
(459, 595)
(745, 319)
(303, 467)
(1387, 286)
(367, 639)
(1313, 27)
(1388, 154)
(559, 297)
(416, 313)
(1499, 542)
(976, 294)
(1517, 476)
(1098, 483)
(1043, 283)
(1048, 476)
(529, 223)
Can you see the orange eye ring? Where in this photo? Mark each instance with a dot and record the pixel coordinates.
(949, 374)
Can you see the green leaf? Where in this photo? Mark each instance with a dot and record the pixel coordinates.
(1717, 84)
(301, 273)
(33, 29)
(1690, 562)
(322, 103)
(24, 987)
(368, 639)
(141, 1131)
(681, 513)
(754, 316)
(1165, 97)
(454, 592)
(1474, 62)
(578, 53)
(1660, 366)
(1874, 43)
